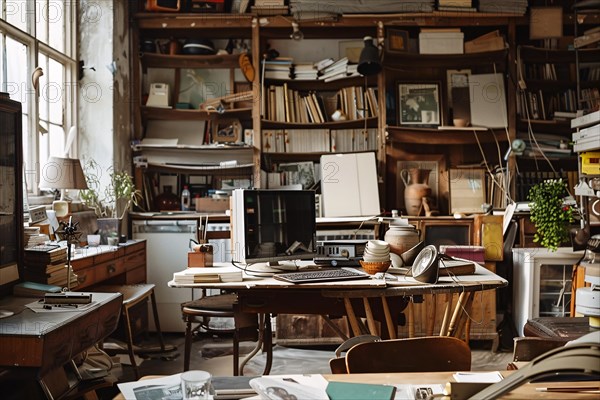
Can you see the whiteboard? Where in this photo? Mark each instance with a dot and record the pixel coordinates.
(349, 185)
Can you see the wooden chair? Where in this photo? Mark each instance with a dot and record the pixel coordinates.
(420, 354)
(246, 328)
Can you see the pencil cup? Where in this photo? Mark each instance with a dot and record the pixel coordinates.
(196, 385)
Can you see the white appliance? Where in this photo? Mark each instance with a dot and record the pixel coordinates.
(167, 248)
(542, 283)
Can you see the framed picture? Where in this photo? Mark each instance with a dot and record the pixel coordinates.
(227, 131)
(419, 104)
(396, 41)
(467, 190)
(351, 49)
(440, 232)
(456, 78)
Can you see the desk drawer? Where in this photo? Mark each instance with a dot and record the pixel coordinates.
(135, 260)
(85, 277)
(107, 270)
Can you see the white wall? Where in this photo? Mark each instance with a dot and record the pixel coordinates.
(104, 107)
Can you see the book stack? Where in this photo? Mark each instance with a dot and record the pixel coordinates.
(305, 71)
(279, 68)
(588, 135)
(338, 70)
(507, 6)
(47, 264)
(208, 275)
(269, 7)
(456, 5)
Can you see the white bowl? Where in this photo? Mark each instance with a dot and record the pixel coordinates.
(377, 244)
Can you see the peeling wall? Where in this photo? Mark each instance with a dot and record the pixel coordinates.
(104, 114)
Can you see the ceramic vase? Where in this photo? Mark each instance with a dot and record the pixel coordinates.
(416, 187)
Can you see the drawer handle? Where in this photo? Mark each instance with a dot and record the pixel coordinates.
(81, 278)
(111, 268)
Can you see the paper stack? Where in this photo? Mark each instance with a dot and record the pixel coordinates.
(208, 275)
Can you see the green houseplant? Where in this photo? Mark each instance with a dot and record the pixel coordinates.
(549, 214)
(119, 194)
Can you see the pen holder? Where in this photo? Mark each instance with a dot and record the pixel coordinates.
(201, 256)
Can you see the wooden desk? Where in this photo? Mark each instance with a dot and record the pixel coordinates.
(36, 343)
(524, 392)
(36, 348)
(378, 300)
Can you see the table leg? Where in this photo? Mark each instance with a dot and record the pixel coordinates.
(446, 319)
(370, 320)
(334, 327)
(388, 318)
(352, 317)
(456, 314)
(410, 314)
(464, 315)
(431, 310)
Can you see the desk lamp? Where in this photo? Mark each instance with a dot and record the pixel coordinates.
(369, 62)
(62, 173)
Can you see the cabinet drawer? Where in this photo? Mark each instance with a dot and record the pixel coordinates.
(85, 277)
(135, 247)
(136, 275)
(135, 260)
(107, 270)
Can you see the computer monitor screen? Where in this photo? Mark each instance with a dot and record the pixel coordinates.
(273, 225)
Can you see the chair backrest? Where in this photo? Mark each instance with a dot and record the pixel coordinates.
(421, 354)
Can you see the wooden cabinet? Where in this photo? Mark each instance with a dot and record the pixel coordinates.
(125, 264)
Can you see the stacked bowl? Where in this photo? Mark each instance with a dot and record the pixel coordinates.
(376, 257)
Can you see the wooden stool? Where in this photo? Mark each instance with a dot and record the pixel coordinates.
(133, 295)
(201, 310)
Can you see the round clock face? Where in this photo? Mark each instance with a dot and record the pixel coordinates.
(424, 259)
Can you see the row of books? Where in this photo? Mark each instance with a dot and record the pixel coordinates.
(551, 145)
(538, 105)
(208, 275)
(289, 105)
(527, 179)
(318, 140)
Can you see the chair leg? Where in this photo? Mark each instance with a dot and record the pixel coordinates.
(268, 343)
(236, 354)
(156, 321)
(130, 342)
(188, 344)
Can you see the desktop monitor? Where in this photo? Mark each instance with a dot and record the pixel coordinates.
(273, 225)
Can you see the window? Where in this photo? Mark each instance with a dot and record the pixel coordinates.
(40, 33)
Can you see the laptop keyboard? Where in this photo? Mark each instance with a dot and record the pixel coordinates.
(320, 275)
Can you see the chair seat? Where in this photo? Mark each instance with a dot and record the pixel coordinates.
(132, 294)
(220, 302)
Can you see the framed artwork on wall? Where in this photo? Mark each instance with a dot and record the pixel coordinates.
(419, 104)
(396, 41)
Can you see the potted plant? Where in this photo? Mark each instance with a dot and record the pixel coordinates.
(549, 213)
(110, 204)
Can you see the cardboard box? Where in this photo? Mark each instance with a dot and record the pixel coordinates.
(488, 44)
(200, 259)
(590, 162)
(208, 204)
(441, 42)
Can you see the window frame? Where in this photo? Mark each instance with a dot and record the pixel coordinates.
(70, 88)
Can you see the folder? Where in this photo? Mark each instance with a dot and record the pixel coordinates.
(359, 391)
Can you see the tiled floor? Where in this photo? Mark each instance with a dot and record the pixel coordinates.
(214, 355)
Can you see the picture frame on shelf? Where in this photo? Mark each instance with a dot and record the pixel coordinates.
(227, 130)
(467, 190)
(456, 78)
(351, 49)
(419, 104)
(396, 41)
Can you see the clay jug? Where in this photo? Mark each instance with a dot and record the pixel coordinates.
(167, 200)
(416, 187)
(401, 237)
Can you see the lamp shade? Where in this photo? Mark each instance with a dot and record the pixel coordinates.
(62, 173)
(369, 62)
